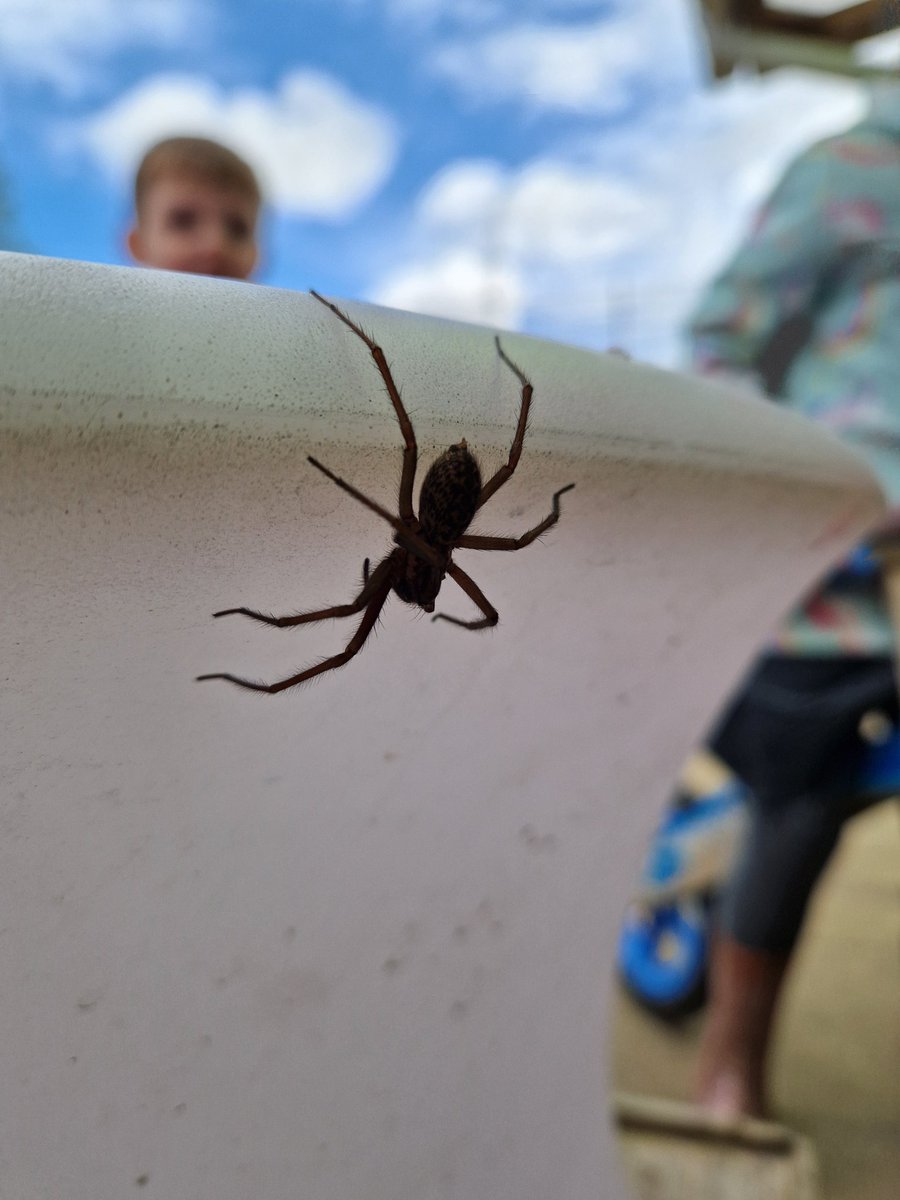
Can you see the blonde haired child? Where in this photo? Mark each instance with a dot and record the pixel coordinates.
(197, 209)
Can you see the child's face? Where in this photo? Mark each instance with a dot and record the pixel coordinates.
(195, 226)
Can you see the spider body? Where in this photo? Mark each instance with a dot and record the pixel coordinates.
(452, 493)
(448, 502)
(449, 497)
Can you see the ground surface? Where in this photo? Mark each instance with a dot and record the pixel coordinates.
(836, 1069)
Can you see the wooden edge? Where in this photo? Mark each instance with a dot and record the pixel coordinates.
(650, 1114)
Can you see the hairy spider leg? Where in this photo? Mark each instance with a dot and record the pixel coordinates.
(500, 477)
(474, 541)
(370, 584)
(379, 595)
(410, 452)
(474, 592)
(410, 540)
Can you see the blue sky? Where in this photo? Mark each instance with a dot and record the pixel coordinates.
(563, 167)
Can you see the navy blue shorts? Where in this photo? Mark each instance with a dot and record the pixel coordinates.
(792, 735)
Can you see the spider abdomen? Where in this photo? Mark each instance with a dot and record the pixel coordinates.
(449, 497)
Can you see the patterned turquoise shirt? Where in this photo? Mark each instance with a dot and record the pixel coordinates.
(823, 257)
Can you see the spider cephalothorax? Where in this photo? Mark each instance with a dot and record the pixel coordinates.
(452, 493)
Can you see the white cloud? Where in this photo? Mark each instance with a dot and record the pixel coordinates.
(319, 150)
(485, 232)
(737, 143)
(542, 66)
(547, 210)
(593, 67)
(62, 41)
(613, 250)
(464, 192)
(460, 284)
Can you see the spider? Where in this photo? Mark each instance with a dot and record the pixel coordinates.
(451, 494)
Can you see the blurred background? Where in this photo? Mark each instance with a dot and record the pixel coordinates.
(570, 168)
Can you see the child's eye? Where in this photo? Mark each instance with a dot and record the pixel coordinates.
(238, 228)
(181, 219)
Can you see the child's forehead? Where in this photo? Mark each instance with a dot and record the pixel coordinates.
(178, 183)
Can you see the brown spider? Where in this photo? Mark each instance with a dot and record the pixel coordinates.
(452, 493)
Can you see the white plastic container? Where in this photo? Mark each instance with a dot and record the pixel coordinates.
(354, 941)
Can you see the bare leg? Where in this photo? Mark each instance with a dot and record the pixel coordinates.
(410, 453)
(474, 541)
(329, 664)
(515, 451)
(474, 592)
(745, 987)
(371, 585)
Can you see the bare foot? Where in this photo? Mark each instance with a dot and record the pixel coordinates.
(745, 985)
(728, 1096)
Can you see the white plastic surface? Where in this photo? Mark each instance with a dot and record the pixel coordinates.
(355, 941)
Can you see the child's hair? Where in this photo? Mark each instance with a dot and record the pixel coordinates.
(199, 158)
